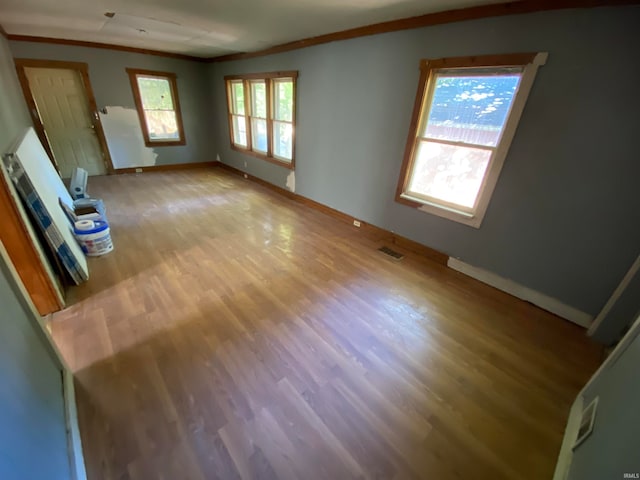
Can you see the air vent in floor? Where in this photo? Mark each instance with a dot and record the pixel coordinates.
(392, 253)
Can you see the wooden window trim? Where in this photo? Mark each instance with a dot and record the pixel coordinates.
(473, 217)
(246, 80)
(171, 77)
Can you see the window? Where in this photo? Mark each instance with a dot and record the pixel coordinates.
(262, 115)
(464, 119)
(156, 98)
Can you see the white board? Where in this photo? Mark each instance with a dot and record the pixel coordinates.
(35, 162)
(125, 140)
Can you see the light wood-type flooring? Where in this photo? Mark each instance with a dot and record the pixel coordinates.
(234, 333)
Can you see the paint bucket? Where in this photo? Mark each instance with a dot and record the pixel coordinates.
(93, 237)
(95, 203)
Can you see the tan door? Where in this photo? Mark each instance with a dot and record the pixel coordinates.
(63, 107)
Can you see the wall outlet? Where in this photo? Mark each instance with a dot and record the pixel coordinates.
(138, 170)
(246, 176)
(356, 223)
(245, 164)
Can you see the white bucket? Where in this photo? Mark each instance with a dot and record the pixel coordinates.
(93, 237)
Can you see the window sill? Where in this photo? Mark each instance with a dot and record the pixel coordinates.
(470, 219)
(165, 143)
(262, 156)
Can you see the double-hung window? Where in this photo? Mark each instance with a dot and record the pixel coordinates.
(261, 110)
(156, 98)
(464, 119)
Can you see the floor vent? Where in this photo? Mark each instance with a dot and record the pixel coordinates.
(392, 253)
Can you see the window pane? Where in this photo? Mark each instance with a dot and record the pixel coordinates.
(283, 99)
(155, 93)
(162, 124)
(283, 140)
(239, 130)
(471, 108)
(259, 99)
(450, 173)
(237, 97)
(259, 134)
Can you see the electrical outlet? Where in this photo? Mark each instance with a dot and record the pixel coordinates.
(138, 170)
(245, 164)
(356, 223)
(246, 176)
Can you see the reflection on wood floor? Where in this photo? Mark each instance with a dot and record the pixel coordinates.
(234, 333)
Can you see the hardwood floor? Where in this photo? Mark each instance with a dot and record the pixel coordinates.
(234, 333)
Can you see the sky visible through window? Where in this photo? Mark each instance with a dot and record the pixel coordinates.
(470, 109)
(464, 104)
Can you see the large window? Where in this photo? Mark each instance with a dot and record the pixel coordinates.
(464, 119)
(262, 115)
(156, 98)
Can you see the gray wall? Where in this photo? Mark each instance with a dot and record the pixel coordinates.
(564, 218)
(14, 116)
(613, 448)
(111, 87)
(33, 441)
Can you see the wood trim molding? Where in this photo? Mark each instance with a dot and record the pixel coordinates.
(152, 73)
(263, 75)
(262, 156)
(165, 168)
(24, 254)
(33, 111)
(372, 231)
(268, 78)
(105, 46)
(172, 78)
(500, 60)
(407, 162)
(430, 19)
(35, 63)
(529, 63)
(102, 138)
(83, 70)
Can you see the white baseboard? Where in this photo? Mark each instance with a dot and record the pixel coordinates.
(74, 441)
(524, 293)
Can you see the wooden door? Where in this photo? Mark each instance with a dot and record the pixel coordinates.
(63, 107)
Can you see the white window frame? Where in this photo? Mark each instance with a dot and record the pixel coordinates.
(530, 62)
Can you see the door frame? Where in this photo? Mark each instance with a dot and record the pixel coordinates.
(83, 70)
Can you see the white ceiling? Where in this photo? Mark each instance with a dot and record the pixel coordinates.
(205, 28)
